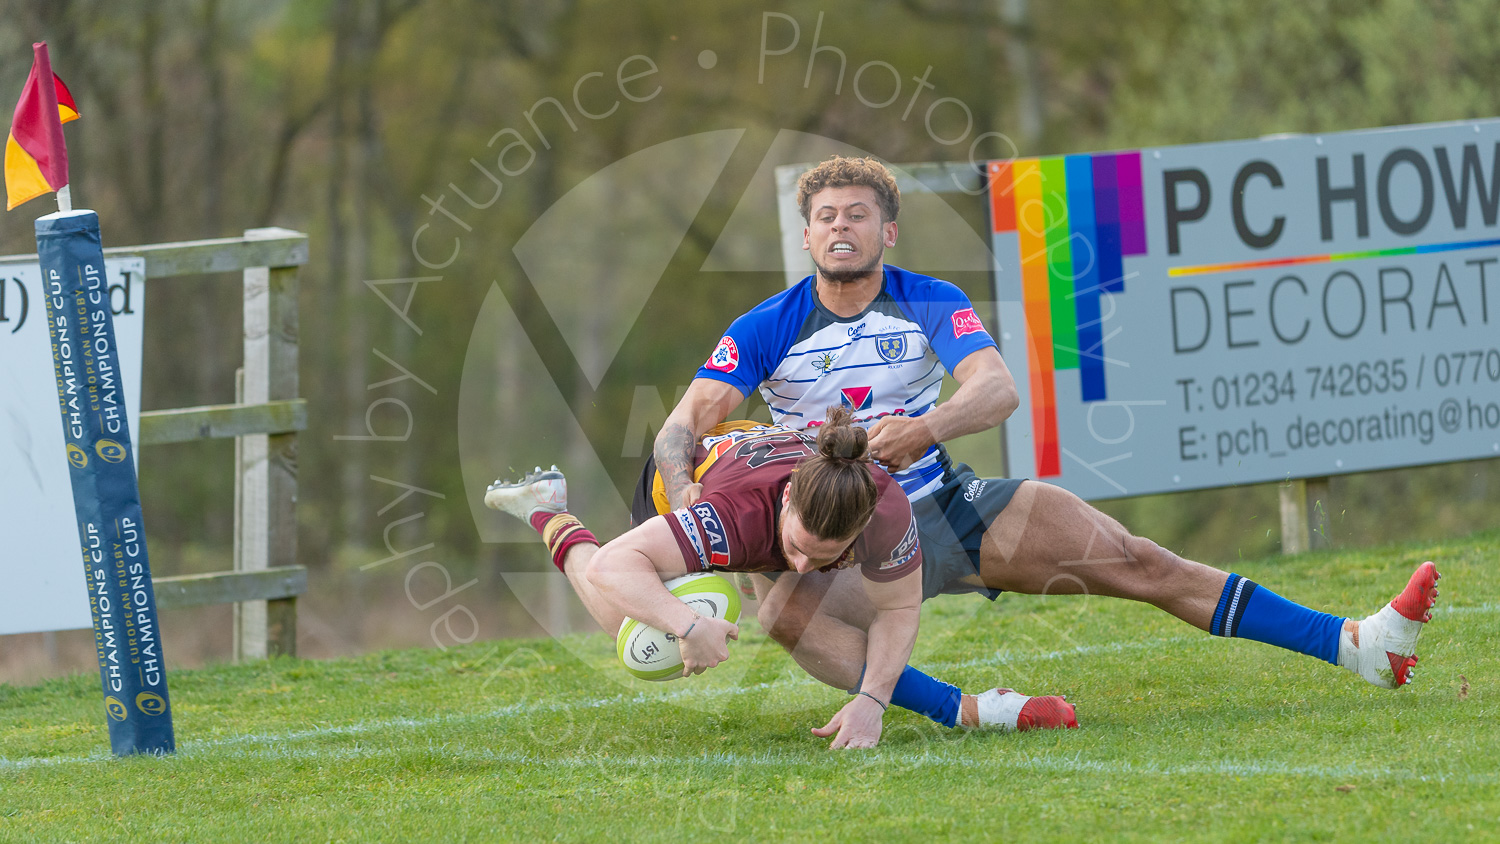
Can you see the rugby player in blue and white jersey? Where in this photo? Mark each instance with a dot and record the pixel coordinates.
(877, 339)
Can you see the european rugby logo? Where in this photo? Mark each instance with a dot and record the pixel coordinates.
(77, 456)
(111, 451)
(150, 703)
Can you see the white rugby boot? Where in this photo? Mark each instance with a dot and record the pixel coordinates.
(1007, 709)
(540, 491)
(1386, 653)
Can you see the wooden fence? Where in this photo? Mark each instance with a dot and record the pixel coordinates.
(266, 580)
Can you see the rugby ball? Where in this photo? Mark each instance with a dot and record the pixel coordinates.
(649, 653)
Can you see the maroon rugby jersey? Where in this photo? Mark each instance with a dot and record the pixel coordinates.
(733, 526)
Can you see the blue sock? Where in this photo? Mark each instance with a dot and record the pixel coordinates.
(1249, 611)
(925, 696)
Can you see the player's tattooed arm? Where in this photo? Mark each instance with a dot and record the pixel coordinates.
(706, 403)
(674, 457)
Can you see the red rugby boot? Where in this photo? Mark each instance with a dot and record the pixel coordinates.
(1384, 649)
(1006, 709)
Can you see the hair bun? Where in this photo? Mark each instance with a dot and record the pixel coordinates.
(834, 493)
(839, 438)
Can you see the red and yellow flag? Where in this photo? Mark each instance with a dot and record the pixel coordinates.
(36, 157)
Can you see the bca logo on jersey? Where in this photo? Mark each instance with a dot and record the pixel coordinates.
(966, 322)
(726, 356)
(905, 550)
(857, 398)
(713, 531)
(694, 538)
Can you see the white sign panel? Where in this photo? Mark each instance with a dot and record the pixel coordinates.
(41, 567)
(1215, 314)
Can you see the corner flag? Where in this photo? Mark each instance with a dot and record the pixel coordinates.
(96, 430)
(36, 156)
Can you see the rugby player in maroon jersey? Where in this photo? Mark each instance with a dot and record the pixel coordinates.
(775, 501)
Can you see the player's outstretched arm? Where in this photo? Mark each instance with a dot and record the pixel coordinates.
(893, 631)
(705, 404)
(985, 397)
(628, 572)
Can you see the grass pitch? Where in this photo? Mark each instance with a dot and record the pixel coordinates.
(1185, 737)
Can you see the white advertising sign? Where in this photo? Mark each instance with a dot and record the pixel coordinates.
(1201, 316)
(41, 566)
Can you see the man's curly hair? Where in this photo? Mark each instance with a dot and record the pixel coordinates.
(841, 172)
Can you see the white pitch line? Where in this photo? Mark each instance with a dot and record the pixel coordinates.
(782, 761)
(640, 698)
(1478, 609)
(1010, 656)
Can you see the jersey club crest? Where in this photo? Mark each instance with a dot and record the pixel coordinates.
(892, 347)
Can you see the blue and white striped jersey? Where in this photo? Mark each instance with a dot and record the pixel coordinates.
(888, 360)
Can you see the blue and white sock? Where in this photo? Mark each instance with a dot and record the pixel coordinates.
(923, 695)
(1248, 610)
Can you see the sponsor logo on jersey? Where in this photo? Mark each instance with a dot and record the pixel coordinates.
(719, 443)
(892, 347)
(726, 356)
(694, 537)
(965, 322)
(973, 490)
(859, 420)
(857, 331)
(857, 398)
(905, 549)
(713, 531)
(824, 362)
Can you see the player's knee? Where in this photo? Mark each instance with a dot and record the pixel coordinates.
(1152, 566)
(778, 629)
(783, 614)
(594, 568)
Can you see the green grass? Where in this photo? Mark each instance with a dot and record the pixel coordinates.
(1184, 737)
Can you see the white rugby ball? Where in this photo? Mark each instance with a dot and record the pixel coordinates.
(651, 654)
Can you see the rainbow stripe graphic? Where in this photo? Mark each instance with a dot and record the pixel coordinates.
(1202, 269)
(1076, 217)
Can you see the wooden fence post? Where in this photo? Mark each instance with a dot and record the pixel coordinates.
(1317, 513)
(1304, 515)
(268, 462)
(239, 523)
(1293, 512)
